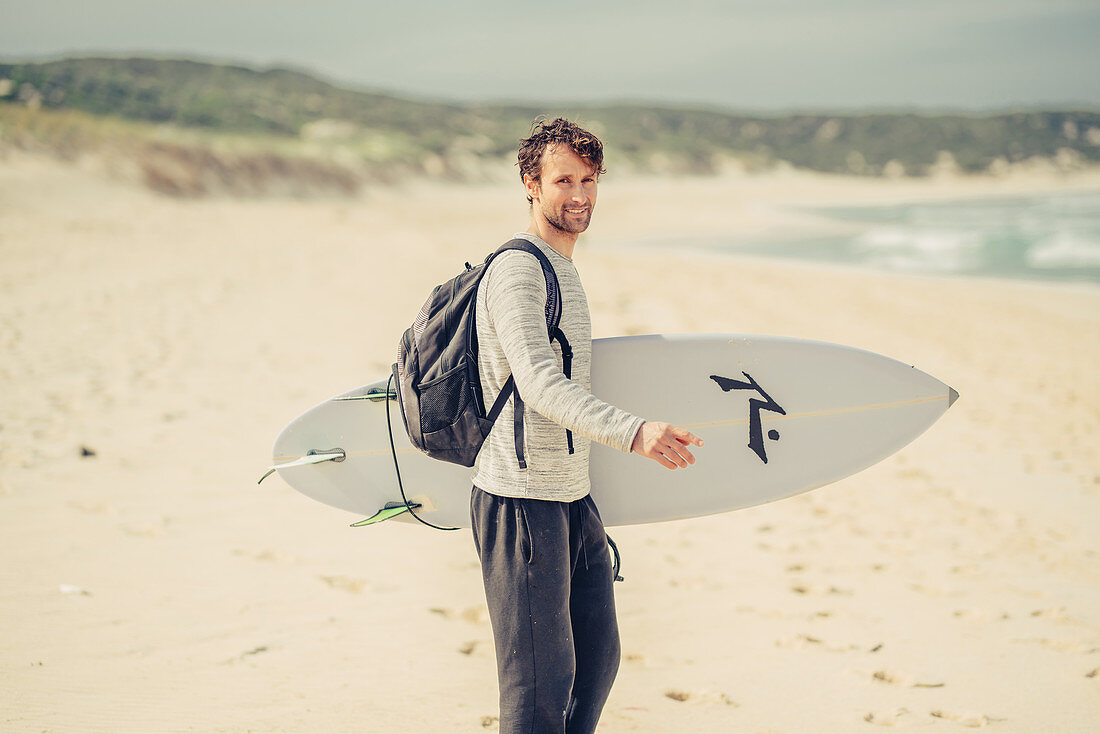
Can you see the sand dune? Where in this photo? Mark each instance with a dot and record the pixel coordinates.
(152, 349)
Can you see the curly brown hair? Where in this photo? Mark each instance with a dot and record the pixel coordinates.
(559, 132)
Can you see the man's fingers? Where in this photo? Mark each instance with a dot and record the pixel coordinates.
(678, 455)
(685, 436)
(673, 459)
(679, 448)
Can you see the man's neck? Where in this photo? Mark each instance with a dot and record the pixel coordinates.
(563, 242)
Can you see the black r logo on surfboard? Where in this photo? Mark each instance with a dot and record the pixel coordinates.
(756, 436)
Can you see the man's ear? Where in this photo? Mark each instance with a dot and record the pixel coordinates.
(532, 186)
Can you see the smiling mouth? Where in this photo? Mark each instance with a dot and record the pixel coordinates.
(580, 211)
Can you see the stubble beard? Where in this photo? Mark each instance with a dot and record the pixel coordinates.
(560, 221)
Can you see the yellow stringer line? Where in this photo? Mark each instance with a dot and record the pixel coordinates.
(696, 425)
(819, 412)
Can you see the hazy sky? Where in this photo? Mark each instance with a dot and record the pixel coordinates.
(758, 55)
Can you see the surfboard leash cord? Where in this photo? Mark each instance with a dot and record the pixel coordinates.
(618, 561)
(393, 452)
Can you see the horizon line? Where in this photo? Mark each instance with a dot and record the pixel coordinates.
(625, 101)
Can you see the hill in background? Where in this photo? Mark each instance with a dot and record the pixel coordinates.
(191, 128)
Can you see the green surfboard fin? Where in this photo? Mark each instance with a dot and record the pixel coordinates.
(391, 510)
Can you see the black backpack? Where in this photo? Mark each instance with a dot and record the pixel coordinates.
(438, 382)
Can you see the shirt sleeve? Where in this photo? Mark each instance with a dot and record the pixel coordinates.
(515, 297)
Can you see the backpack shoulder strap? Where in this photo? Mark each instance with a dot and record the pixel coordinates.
(553, 296)
(553, 292)
(553, 320)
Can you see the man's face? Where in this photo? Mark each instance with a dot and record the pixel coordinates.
(565, 194)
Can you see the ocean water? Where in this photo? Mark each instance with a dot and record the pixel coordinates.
(1052, 237)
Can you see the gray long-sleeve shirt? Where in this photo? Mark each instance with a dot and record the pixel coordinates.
(512, 339)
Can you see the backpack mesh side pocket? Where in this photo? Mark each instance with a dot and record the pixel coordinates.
(444, 400)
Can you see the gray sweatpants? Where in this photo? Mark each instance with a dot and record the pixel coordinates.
(548, 583)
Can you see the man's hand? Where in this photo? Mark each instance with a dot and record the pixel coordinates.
(665, 444)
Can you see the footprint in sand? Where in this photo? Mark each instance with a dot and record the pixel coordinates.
(1054, 614)
(980, 615)
(933, 590)
(820, 590)
(902, 679)
(911, 474)
(700, 697)
(897, 717)
(144, 530)
(268, 556)
(271, 556)
(807, 642)
(91, 508)
(473, 615)
(345, 583)
(1073, 646)
(974, 721)
(476, 648)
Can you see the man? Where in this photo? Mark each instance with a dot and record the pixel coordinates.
(543, 550)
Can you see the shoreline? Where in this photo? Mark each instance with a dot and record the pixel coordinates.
(808, 265)
(775, 219)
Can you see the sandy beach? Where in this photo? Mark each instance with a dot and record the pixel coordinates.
(152, 348)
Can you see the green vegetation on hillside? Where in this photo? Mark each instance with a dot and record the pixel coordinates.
(213, 107)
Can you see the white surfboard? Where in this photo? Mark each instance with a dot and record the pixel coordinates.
(779, 416)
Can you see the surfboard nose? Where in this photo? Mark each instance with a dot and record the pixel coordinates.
(952, 396)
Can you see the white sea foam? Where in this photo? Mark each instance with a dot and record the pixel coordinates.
(1065, 250)
(1053, 236)
(927, 249)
